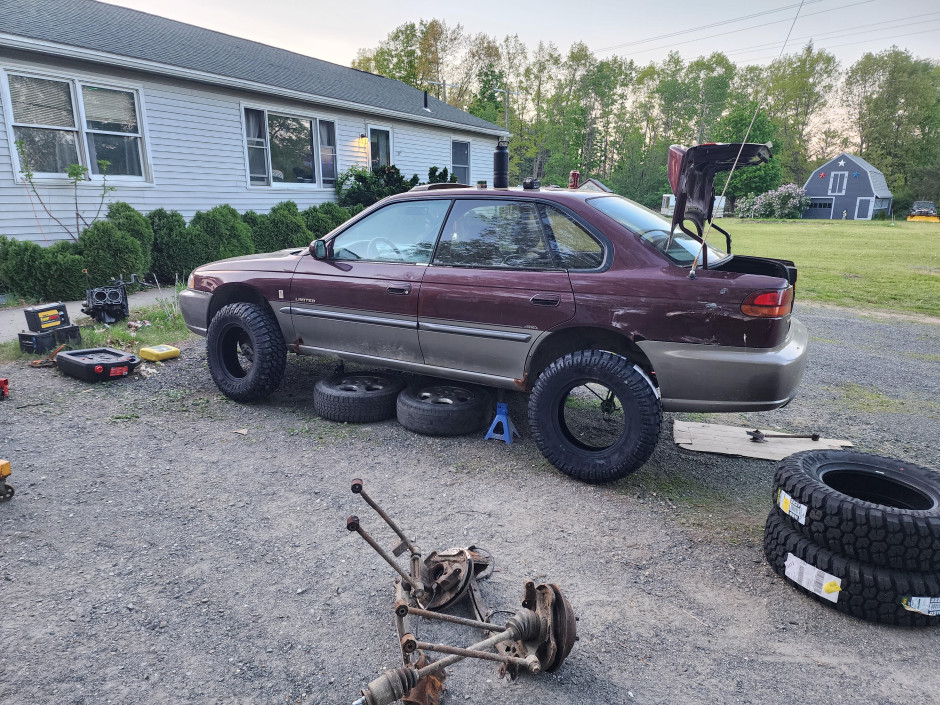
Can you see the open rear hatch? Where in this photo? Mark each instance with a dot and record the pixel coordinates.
(691, 172)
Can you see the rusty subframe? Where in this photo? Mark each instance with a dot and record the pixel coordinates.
(537, 638)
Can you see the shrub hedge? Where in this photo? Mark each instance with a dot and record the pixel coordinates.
(127, 242)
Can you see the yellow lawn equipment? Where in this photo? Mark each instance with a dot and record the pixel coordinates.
(924, 212)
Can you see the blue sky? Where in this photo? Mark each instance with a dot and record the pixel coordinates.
(334, 31)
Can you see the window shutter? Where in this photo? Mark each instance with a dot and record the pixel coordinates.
(110, 110)
(38, 101)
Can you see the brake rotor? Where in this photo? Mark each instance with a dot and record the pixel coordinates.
(447, 575)
(559, 625)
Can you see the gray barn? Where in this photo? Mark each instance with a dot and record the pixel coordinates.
(847, 188)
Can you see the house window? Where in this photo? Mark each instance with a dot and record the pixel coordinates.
(291, 142)
(460, 161)
(328, 152)
(837, 182)
(113, 131)
(256, 138)
(380, 147)
(284, 149)
(44, 122)
(56, 130)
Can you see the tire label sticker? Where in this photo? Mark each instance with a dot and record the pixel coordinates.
(817, 581)
(791, 507)
(925, 605)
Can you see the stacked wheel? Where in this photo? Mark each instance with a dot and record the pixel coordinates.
(860, 533)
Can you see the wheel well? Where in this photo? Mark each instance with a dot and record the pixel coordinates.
(570, 340)
(231, 294)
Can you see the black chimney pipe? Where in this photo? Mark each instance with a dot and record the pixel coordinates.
(501, 164)
(426, 101)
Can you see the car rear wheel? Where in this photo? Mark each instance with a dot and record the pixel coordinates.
(357, 397)
(443, 408)
(595, 416)
(246, 351)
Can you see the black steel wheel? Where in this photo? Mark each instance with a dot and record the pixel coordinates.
(357, 397)
(8, 492)
(595, 416)
(443, 408)
(246, 351)
(876, 510)
(872, 593)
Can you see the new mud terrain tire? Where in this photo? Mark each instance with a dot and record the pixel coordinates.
(594, 416)
(876, 510)
(246, 351)
(872, 593)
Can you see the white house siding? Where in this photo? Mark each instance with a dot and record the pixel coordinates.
(194, 147)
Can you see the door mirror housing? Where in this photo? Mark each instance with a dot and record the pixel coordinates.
(318, 249)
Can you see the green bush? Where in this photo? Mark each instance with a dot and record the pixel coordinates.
(364, 186)
(286, 228)
(336, 215)
(317, 223)
(62, 269)
(177, 250)
(226, 235)
(355, 210)
(136, 225)
(21, 267)
(109, 253)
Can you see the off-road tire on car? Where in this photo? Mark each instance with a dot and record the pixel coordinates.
(357, 397)
(641, 408)
(873, 509)
(443, 408)
(872, 593)
(236, 326)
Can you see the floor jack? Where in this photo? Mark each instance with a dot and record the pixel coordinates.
(538, 637)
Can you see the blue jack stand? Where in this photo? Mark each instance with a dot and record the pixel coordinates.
(509, 428)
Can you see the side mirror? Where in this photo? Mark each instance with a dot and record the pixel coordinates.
(318, 249)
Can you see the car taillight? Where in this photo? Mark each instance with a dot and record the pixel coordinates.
(769, 304)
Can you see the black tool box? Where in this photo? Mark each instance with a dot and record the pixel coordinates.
(97, 364)
(46, 317)
(36, 343)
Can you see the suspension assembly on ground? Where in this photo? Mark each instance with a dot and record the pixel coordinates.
(538, 637)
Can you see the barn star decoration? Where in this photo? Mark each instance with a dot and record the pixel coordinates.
(841, 162)
(855, 175)
(822, 175)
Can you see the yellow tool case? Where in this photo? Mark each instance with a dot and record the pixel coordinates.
(156, 353)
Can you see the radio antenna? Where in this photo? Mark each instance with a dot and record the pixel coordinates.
(760, 102)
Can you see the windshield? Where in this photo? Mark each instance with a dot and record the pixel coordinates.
(654, 229)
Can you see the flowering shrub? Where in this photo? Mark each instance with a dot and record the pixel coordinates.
(788, 201)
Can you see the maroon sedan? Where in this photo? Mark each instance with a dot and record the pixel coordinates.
(602, 309)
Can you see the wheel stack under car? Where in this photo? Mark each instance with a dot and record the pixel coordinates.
(859, 533)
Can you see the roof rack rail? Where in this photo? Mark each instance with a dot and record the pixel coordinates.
(437, 187)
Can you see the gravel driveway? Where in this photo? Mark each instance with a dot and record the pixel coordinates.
(153, 555)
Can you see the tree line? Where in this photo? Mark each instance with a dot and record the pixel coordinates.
(613, 118)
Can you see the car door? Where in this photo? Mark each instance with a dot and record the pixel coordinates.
(491, 290)
(362, 298)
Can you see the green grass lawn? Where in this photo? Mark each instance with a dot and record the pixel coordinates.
(860, 264)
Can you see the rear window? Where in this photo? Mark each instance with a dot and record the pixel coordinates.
(654, 229)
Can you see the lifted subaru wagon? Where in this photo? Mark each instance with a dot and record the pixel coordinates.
(589, 301)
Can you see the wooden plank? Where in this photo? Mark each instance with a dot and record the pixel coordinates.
(733, 440)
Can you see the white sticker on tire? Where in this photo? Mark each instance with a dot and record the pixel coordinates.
(791, 507)
(925, 605)
(813, 579)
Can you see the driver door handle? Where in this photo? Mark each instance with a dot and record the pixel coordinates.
(401, 290)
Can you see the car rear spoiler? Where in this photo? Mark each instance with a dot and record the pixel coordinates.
(691, 172)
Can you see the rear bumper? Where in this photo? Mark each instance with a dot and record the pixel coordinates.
(194, 305)
(710, 378)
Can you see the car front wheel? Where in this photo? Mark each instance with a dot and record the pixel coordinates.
(595, 416)
(246, 351)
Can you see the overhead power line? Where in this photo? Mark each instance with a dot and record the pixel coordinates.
(699, 28)
(860, 41)
(742, 30)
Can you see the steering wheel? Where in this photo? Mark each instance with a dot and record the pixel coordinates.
(372, 251)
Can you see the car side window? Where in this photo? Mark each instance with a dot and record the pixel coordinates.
(574, 247)
(401, 232)
(494, 234)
